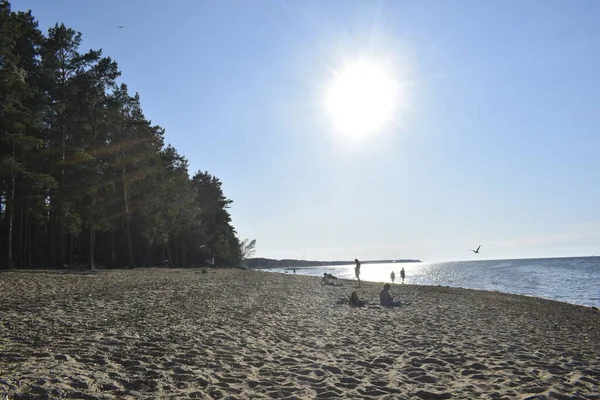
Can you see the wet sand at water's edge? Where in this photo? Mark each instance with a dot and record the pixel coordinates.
(175, 333)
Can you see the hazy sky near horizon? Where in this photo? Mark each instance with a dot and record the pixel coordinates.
(494, 136)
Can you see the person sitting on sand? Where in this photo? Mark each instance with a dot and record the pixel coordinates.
(386, 299)
(354, 301)
(325, 280)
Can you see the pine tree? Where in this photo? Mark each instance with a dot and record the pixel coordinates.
(20, 120)
(63, 66)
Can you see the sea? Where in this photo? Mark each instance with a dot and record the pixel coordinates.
(572, 280)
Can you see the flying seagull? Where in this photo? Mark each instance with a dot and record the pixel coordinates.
(120, 26)
(476, 251)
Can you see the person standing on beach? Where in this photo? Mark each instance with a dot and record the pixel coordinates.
(393, 276)
(402, 274)
(357, 270)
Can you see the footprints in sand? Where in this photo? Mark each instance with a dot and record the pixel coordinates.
(428, 395)
(349, 382)
(177, 334)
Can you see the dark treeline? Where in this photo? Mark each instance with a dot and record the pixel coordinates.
(271, 263)
(85, 178)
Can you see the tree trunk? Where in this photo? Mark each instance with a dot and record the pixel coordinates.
(62, 252)
(92, 245)
(112, 258)
(93, 214)
(20, 232)
(2, 219)
(27, 239)
(182, 254)
(78, 250)
(130, 255)
(142, 258)
(174, 256)
(9, 211)
(63, 135)
(127, 224)
(52, 239)
(169, 255)
(70, 253)
(10, 202)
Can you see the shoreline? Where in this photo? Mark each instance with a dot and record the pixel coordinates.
(574, 281)
(156, 333)
(443, 286)
(266, 263)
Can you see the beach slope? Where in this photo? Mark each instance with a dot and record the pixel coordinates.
(175, 333)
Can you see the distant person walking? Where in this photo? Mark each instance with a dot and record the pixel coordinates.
(393, 276)
(402, 274)
(357, 270)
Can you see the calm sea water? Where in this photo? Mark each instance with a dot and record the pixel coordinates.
(572, 280)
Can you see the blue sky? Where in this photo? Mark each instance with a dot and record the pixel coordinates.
(496, 142)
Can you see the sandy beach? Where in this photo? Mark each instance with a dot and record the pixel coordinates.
(174, 333)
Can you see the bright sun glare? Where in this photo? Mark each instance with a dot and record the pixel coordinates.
(362, 99)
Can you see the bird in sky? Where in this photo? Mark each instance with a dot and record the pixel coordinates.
(120, 26)
(476, 251)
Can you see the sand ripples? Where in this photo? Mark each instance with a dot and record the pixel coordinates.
(161, 333)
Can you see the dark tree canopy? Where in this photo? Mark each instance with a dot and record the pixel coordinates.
(85, 177)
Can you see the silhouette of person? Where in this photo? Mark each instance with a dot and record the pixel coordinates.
(402, 274)
(325, 280)
(354, 301)
(393, 276)
(385, 298)
(357, 270)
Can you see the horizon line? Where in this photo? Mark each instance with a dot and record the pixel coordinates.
(421, 261)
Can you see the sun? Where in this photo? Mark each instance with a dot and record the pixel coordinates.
(362, 98)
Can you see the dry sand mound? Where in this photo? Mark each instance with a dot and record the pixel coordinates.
(171, 333)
